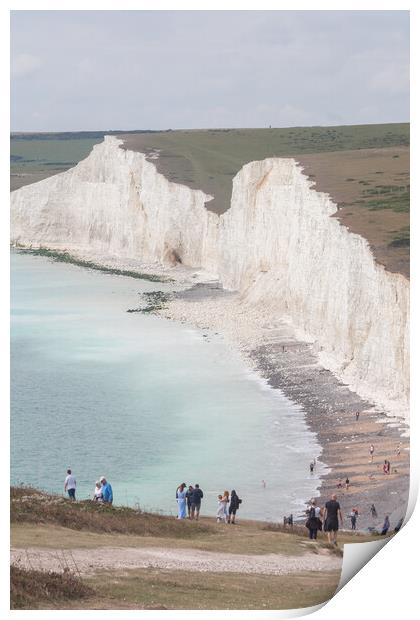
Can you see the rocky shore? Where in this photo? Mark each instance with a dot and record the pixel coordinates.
(274, 350)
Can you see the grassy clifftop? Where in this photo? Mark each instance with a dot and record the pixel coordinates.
(49, 530)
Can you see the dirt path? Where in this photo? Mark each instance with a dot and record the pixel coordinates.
(88, 561)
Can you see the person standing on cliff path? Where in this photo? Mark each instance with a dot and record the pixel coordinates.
(233, 506)
(107, 495)
(70, 485)
(313, 522)
(189, 496)
(181, 498)
(196, 497)
(331, 514)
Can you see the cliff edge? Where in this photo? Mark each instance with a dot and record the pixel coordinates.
(277, 245)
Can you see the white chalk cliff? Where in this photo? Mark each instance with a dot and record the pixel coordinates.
(277, 245)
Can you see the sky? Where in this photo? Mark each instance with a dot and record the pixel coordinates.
(101, 70)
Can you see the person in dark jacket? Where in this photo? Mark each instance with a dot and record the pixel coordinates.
(196, 497)
(189, 496)
(385, 526)
(313, 522)
(233, 506)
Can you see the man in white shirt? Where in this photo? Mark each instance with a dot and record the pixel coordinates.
(70, 485)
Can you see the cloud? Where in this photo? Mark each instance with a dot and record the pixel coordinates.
(25, 64)
(186, 69)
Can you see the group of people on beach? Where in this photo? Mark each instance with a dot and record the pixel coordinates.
(328, 518)
(102, 493)
(189, 503)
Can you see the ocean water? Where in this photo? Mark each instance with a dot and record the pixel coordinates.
(146, 402)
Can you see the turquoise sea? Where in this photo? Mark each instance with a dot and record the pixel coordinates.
(146, 402)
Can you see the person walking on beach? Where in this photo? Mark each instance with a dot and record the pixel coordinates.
(97, 493)
(70, 485)
(314, 520)
(347, 483)
(357, 415)
(107, 495)
(233, 506)
(196, 497)
(331, 514)
(373, 511)
(385, 526)
(371, 451)
(181, 498)
(353, 518)
(311, 467)
(189, 496)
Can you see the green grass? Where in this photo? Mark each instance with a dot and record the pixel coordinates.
(393, 197)
(38, 153)
(188, 590)
(164, 589)
(401, 238)
(209, 159)
(65, 257)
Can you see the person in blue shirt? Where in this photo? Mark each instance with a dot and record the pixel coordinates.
(106, 491)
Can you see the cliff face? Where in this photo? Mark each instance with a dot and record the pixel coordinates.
(114, 202)
(282, 250)
(277, 245)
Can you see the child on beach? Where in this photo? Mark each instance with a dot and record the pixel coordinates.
(220, 514)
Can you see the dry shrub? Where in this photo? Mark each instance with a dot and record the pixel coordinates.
(29, 588)
(31, 506)
(298, 530)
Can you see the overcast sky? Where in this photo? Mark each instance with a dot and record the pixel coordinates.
(87, 70)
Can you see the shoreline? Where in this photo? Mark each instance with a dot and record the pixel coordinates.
(271, 349)
(286, 363)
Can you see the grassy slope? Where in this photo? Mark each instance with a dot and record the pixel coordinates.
(364, 168)
(40, 520)
(209, 159)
